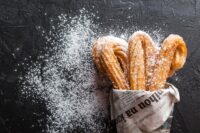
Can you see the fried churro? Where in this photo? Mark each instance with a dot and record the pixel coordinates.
(140, 60)
(109, 54)
(172, 56)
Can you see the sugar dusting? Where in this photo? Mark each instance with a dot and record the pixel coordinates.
(66, 78)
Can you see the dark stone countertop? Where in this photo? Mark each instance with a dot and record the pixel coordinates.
(20, 38)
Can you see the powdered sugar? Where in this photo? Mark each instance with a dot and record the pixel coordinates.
(101, 42)
(65, 80)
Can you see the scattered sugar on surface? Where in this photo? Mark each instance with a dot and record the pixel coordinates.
(66, 79)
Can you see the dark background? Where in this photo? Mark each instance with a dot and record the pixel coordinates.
(19, 38)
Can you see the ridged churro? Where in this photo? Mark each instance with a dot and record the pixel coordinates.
(109, 54)
(172, 56)
(140, 60)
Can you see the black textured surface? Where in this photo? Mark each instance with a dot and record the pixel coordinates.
(19, 38)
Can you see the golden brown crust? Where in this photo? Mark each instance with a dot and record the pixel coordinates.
(171, 57)
(141, 66)
(136, 70)
(109, 54)
(143, 60)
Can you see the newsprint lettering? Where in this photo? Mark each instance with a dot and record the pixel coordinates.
(155, 97)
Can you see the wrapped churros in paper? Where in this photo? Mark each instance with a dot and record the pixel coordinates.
(143, 111)
(142, 100)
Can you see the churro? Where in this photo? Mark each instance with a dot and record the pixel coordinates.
(109, 54)
(140, 60)
(171, 57)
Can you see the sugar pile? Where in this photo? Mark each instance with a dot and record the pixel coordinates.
(66, 78)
